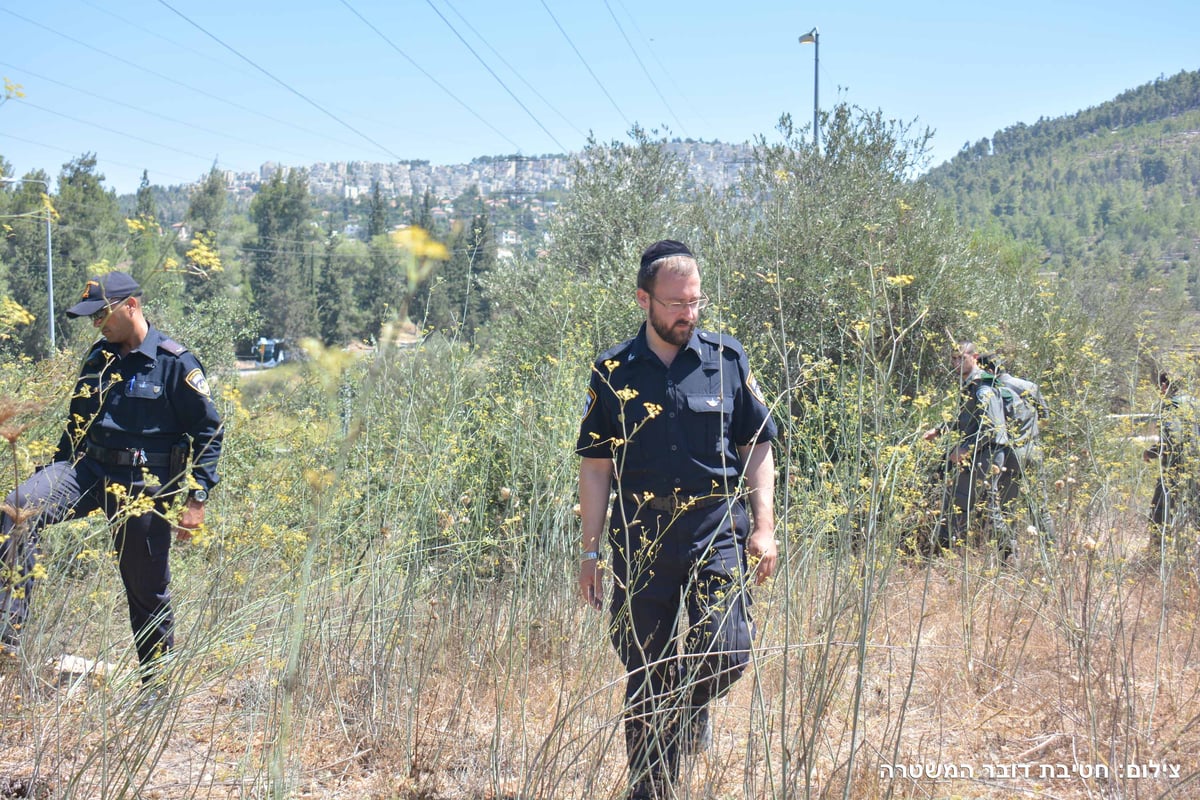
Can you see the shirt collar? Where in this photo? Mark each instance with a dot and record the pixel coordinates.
(148, 347)
(641, 347)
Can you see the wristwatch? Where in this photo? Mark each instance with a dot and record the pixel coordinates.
(200, 496)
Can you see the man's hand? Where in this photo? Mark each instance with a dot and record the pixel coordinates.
(191, 519)
(591, 583)
(762, 551)
(957, 455)
(931, 434)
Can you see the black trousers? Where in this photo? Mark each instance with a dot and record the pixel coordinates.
(988, 484)
(65, 490)
(1175, 506)
(665, 566)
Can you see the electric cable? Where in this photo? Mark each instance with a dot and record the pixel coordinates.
(285, 85)
(492, 72)
(171, 80)
(513, 69)
(654, 54)
(99, 160)
(426, 73)
(148, 112)
(586, 65)
(645, 71)
(107, 129)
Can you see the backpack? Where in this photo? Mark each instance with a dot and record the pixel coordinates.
(1020, 417)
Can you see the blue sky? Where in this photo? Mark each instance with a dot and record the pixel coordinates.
(144, 88)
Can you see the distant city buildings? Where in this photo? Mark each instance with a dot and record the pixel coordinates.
(502, 181)
(713, 165)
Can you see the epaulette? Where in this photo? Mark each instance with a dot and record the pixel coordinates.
(722, 340)
(617, 351)
(171, 346)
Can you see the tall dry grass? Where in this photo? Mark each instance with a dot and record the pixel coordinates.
(384, 606)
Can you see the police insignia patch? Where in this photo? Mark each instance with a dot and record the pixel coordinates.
(752, 385)
(197, 381)
(589, 402)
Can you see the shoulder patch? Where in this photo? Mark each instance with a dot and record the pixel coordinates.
(173, 347)
(197, 381)
(752, 385)
(588, 403)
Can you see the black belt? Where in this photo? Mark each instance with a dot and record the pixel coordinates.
(131, 457)
(677, 502)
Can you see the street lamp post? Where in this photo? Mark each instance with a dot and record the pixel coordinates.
(813, 37)
(49, 255)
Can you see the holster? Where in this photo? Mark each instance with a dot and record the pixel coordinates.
(179, 458)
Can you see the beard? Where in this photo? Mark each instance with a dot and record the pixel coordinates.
(677, 334)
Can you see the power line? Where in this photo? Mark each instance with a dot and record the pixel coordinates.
(148, 112)
(513, 69)
(294, 91)
(99, 160)
(167, 39)
(585, 63)
(238, 68)
(654, 54)
(169, 79)
(492, 72)
(113, 130)
(424, 72)
(645, 71)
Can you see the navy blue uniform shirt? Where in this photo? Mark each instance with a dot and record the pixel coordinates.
(674, 429)
(149, 400)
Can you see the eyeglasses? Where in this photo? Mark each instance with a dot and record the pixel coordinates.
(694, 305)
(102, 314)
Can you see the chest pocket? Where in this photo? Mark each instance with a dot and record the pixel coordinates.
(708, 423)
(143, 389)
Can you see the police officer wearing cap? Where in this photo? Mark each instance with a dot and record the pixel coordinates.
(140, 418)
(675, 425)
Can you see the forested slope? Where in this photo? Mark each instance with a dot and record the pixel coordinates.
(1108, 194)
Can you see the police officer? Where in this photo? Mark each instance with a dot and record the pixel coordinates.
(1177, 488)
(982, 461)
(1025, 439)
(675, 424)
(141, 422)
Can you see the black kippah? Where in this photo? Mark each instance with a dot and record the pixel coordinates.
(664, 249)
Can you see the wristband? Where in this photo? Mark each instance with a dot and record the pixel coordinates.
(590, 555)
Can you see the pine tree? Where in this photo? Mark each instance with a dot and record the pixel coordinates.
(23, 251)
(89, 229)
(205, 223)
(145, 199)
(377, 220)
(281, 277)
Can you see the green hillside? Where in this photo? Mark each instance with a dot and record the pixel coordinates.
(1108, 194)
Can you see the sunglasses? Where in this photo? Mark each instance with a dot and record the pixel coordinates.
(102, 314)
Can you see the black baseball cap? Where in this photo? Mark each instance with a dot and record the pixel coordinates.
(104, 290)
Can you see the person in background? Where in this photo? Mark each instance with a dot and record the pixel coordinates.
(1024, 410)
(1174, 506)
(980, 460)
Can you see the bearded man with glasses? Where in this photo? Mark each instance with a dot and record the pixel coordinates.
(675, 424)
(141, 423)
